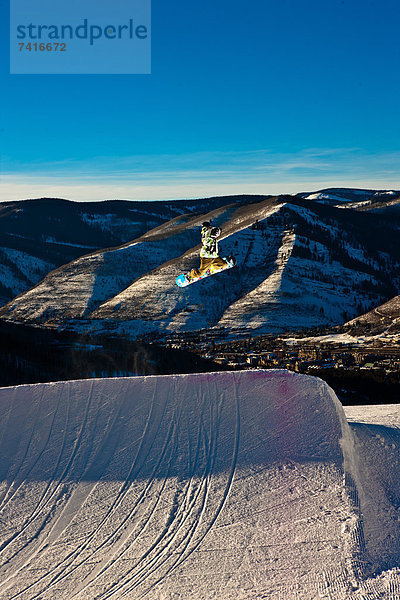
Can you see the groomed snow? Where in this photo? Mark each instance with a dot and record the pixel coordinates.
(242, 485)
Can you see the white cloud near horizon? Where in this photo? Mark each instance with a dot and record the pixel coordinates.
(201, 174)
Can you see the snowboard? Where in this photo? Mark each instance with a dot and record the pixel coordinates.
(183, 281)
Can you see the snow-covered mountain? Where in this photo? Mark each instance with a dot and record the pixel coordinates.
(352, 198)
(384, 319)
(299, 263)
(381, 325)
(218, 486)
(37, 236)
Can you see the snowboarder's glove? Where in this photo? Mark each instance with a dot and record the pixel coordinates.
(215, 232)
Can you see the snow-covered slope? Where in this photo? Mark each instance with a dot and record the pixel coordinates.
(213, 486)
(19, 271)
(384, 319)
(380, 325)
(48, 232)
(350, 197)
(76, 289)
(38, 235)
(299, 263)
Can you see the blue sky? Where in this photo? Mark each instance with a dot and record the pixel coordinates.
(262, 96)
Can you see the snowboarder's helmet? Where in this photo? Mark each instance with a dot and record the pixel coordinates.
(206, 224)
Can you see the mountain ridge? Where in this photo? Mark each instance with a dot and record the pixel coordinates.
(39, 235)
(382, 319)
(300, 263)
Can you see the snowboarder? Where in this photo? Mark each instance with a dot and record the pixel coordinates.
(210, 261)
(209, 256)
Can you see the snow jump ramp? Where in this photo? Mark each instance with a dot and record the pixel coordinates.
(220, 486)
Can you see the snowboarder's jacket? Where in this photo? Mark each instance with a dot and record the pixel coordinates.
(209, 240)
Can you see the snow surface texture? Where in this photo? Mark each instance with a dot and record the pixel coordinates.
(205, 486)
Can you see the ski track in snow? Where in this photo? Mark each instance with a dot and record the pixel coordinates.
(209, 486)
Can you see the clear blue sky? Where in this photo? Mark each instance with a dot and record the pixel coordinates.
(244, 96)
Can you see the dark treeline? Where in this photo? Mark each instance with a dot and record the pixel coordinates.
(33, 355)
(370, 386)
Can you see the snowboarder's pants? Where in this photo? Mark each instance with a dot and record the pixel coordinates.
(206, 263)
